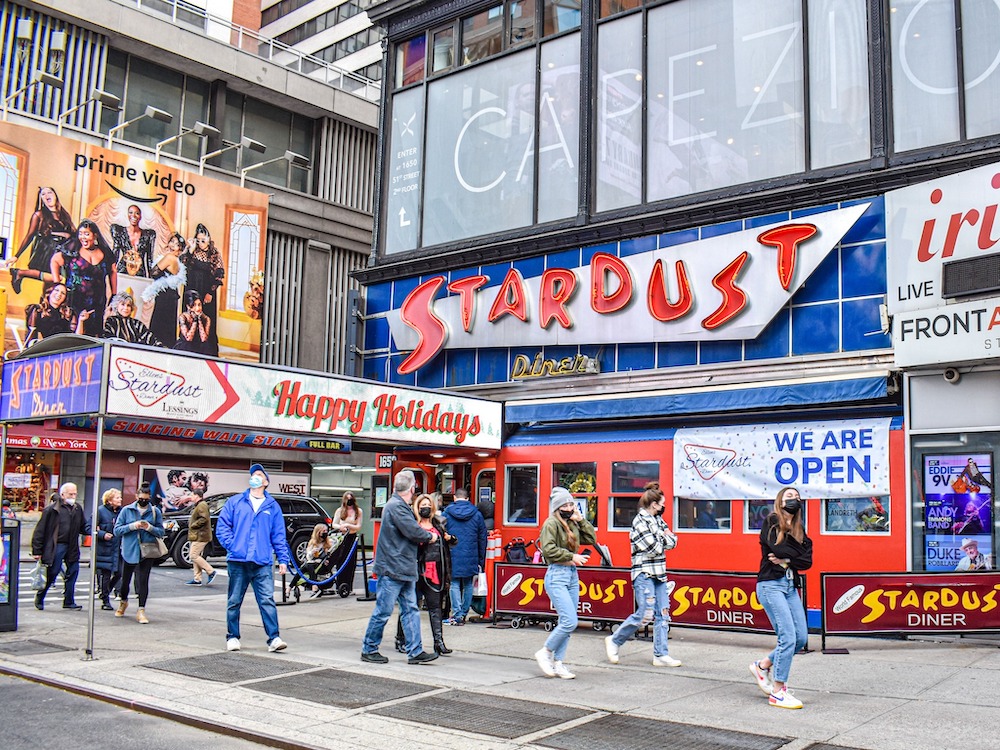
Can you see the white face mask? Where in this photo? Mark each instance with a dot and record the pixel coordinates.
(256, 482)
(69, 500)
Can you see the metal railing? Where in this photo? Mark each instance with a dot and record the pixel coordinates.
(190, 16)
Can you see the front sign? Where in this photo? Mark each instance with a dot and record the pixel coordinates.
(52, 385)
(605, 593)
(848, 458)
(928, 225)
(724, 287)
(861, 603)
(720, 601)
(51, 443)
(170, 387)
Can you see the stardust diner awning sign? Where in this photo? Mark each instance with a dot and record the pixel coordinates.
(178, 388)
(51, 385)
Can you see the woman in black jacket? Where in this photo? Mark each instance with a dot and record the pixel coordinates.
(433, 571)
(785, 552)
(108, 546)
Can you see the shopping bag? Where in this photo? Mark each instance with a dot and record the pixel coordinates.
(153, 550)
(38, 577)
(479, 587)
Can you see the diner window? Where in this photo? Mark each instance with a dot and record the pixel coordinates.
(410, 60)
(759, 509)
(581, 480)
(856, 515)
(628, 482)
(521, 495)
(521, 25)
(482, 34)
(560, 15)
(443, 49)
(703, 515)
(611, 7)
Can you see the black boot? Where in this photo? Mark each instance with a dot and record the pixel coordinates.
(15, 284)
(434, 615)
(400, 638)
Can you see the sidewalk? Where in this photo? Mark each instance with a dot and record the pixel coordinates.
(884, 695)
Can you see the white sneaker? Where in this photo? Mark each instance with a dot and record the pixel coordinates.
(561, 671)
(611, 649)
(763, 677)
(233, 644)
(784, 699)
(544, 658)
(277, 645)
(665, 661)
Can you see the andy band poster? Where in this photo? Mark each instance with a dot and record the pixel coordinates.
(101, 243)
(958, 512)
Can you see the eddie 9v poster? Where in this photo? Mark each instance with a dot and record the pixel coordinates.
(109, 245)
(958, 512)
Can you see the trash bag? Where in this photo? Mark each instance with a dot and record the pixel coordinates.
(38, 577)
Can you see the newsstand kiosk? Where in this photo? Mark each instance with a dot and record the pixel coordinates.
(10, 545)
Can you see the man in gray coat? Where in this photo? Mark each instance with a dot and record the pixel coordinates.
(396, 568)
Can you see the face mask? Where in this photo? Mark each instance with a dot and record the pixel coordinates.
(566, 514)
(70, 500)
(142, 502)
(323, 535)
(350, 501)
(659, 512)
(792, 506)
(425, 512)
(256, 482)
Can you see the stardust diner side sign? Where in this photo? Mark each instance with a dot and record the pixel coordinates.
(62, 384)
(177, 388)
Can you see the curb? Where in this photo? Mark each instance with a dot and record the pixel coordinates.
(142, 707)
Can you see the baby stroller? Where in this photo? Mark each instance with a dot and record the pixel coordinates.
(322, 572)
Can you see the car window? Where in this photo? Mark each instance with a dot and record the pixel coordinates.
(215, 505)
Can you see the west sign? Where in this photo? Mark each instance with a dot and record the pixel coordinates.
(724, 287)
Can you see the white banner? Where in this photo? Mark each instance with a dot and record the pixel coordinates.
(177, 388)
(848, 458)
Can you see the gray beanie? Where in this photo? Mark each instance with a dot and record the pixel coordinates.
(559, 497)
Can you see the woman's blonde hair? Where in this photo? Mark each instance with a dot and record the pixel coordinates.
(108, 494)
(788, 524)
(314, 540)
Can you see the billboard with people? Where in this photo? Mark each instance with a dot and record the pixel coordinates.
(102, 243)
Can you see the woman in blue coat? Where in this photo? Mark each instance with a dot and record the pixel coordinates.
(138, 522)
(108, 546)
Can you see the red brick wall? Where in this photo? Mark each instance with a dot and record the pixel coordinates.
(246, 13)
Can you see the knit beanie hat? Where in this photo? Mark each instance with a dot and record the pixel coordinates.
(559, 497)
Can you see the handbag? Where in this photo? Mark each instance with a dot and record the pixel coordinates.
(479, 586)
(38, 576)
(153, 550)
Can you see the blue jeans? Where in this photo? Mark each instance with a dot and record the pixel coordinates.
(389, 593)
(784, 609)
(461, 597)
(69, 575)
(652, 604)
(241, 576)
(562, 584)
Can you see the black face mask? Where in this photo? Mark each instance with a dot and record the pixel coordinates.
(566, 514)
(350, 501)
(142, 502)
(323, 535)
(659, 512)
(792, 506)
(425, 512)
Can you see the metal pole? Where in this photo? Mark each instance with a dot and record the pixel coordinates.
(89, 650)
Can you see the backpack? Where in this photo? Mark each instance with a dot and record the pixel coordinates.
(516, 551)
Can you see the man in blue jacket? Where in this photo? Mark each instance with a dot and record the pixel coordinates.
(252, 529)
(396, 568)
(468, 556)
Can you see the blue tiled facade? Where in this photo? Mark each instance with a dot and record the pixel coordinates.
(835, 311)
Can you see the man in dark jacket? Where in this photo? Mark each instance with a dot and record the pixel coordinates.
(396, 568)
(468, 556)
(56, 542)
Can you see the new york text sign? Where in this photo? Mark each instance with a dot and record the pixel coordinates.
(725, 287)
(177, 388)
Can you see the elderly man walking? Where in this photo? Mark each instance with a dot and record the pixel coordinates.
(396, 568)
(56, 542)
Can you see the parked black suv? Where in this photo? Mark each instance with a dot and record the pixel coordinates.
(301, 516)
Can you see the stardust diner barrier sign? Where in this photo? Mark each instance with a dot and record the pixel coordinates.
(172, 387)
(860, 603)
(50, 385)
(717, 601)
(605, 593)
